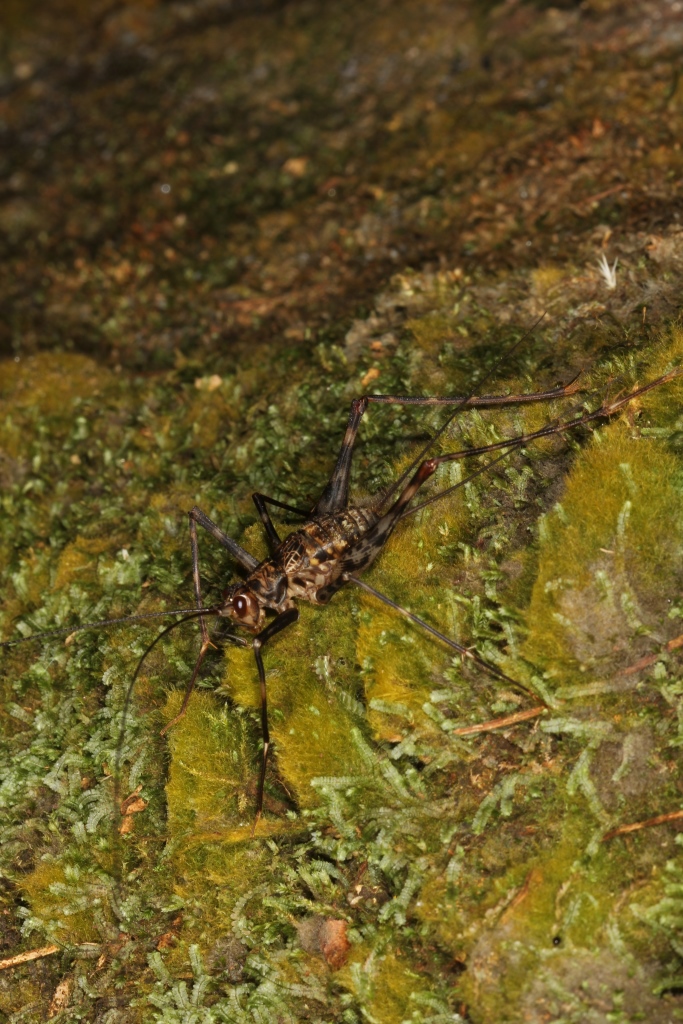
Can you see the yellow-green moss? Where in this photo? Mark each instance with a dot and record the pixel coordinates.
(311, 697)
(383, 983)
(52, 885)
(609, 550)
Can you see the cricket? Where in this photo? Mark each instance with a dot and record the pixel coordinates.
(337, 541)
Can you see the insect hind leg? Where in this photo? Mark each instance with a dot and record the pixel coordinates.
(510, 444)
(336, 493)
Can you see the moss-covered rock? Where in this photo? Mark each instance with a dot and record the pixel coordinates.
(372, 199)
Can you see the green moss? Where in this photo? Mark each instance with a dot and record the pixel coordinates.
(431, 331)
(314, 710)
(494, 900)
(384, 984)
(610, 549)
(405, 198)
(58, 896)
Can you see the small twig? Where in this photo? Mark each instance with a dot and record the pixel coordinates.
(31, 954)
(661, 819)
(650, 659)
(600, 195)
(500, 723)
(519, 896)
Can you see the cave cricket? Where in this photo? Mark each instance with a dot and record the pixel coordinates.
(336, 542)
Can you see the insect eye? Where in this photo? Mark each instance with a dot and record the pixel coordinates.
(245, 607)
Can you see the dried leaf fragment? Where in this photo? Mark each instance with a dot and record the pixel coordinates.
(31, 954)
(372, 374)
(62, 996)
(133, 804)
(325, 937)
(334, 942)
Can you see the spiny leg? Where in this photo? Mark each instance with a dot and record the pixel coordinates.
(283, 620)
(464, 652)
(242, 557)
(366, 551)
(335, 495)
(483, 401)
(271, 532)
(304, 513)
(399, 509)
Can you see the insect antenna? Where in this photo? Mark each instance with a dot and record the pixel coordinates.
(68, 630)
(191, 614)
(187, 617)
(444, 426)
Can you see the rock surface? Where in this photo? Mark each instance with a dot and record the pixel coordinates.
(219, 223)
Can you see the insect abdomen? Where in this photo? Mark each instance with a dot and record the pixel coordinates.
(313, 556)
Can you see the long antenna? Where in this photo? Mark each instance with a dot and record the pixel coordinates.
(68, 630)
(187, 617)
(489, 373)
(118, 756)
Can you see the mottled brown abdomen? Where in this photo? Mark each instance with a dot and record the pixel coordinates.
(312, 557)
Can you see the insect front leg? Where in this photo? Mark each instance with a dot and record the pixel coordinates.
(206, 642)
(242, 557)
(247, 562)
(287, 618)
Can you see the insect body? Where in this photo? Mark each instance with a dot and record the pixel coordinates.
(338, 541)
(306, 566)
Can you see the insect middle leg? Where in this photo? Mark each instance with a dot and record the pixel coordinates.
(261, 500)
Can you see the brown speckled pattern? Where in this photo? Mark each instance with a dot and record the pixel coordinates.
(311, 558)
